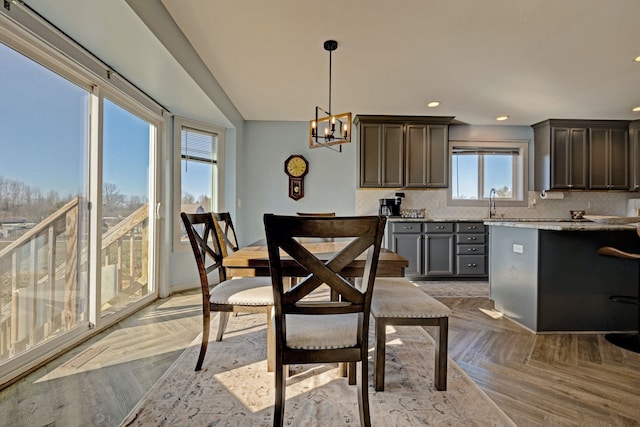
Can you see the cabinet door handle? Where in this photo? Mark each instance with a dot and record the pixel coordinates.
(472, 238)
(472, 265)
(439, 227)
(407, 227)
(472, 249)
(473, 227)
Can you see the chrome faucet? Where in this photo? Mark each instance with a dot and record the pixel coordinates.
(492, 203)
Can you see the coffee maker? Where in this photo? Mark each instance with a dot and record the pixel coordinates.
(391, 207)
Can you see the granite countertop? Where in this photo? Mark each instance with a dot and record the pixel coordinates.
(402, 219)
(553, 224)
(567, 225)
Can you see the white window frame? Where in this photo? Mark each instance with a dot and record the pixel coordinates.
(180, 123)
(29, 35)
(520, 171)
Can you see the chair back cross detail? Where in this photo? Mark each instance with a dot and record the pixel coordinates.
(321, 327)
(246, 294)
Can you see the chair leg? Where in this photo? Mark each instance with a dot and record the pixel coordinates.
(379, 355)
(206, 323)
(363, 394)
(351, 372)
(271, 342)
(440, 372)
(222, 324)
(278, 410)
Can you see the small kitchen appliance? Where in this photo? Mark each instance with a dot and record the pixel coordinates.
(390, 207)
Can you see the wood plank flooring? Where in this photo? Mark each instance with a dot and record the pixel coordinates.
(545, 379)
(538, 380)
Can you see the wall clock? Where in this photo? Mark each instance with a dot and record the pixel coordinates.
(296, 167)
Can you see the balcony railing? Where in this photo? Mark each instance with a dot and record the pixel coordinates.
(43, 276)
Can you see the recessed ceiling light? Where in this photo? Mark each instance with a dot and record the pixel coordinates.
(433, 104)
(636, 108)
(637, 59)
(502, 118)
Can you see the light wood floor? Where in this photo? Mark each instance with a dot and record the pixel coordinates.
(538, 380)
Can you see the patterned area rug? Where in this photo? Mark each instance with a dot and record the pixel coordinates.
(440, 288)
(234, 388)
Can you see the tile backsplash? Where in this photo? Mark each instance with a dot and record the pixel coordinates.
(435, 203)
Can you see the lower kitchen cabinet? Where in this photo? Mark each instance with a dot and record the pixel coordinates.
(439, 245)
(441, 249)
(471, 254)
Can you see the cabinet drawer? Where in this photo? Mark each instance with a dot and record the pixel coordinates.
(439, 227)
(474, 265)
(406, 227)
(471, 239)
(470, 227)
(470, 250)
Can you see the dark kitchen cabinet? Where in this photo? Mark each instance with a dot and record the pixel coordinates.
(608, 158)
(581, 155)
(439, 244)
(406, 239)
(441, 249)
(634, 156)
(426, 156)
(471, 249)
(403, 151)
(381, 155)
(561, 156)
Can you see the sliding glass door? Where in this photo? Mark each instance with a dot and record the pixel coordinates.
(77, 206)
(126, 192)
(44, 135)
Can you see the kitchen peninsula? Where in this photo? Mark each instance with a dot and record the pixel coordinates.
(548, 277)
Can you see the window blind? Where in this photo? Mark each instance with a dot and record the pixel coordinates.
(198, 146)
(485, 150)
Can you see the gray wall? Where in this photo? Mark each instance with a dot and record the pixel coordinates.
(328, 187)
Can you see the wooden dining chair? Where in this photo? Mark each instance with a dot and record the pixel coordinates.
(225, 296)
(227, 232)
(308, 330)
(316, 214)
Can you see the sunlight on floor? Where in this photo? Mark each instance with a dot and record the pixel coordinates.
(494, 314)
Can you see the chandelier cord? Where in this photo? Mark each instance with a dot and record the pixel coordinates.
(330, 68)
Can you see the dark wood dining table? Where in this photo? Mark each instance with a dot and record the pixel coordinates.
(253, 260)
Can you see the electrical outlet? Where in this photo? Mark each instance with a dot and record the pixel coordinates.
(7, 4)
(519, 249)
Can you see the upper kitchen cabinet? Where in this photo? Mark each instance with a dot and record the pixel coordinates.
(634, 150)
(581, 155)
(403, 151)
(609, 158)
(381, 154)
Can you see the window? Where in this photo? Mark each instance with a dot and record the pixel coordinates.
(477, 167)
(201, 147)
(77, 235)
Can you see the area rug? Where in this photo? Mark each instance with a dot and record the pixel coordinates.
(235, 389)
(467, 289)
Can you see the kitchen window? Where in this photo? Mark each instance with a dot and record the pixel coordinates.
(477, 167)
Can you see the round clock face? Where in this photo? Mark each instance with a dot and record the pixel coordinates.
(296, 166)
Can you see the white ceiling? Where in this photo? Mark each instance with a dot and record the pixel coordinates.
(529, 59)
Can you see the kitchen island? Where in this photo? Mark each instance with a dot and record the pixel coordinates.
(548, 277)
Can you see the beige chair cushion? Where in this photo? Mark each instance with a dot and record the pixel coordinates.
(321, 332)
(243, 291)
(397, 297)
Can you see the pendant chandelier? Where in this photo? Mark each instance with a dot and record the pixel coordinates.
(329, 129)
